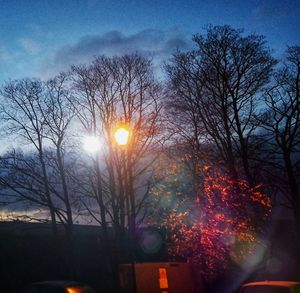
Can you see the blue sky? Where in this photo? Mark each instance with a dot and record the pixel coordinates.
(40, 37)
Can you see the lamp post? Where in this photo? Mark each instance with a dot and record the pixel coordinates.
(122, 136)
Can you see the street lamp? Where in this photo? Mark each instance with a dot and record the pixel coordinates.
(92, 144)
(121, 136)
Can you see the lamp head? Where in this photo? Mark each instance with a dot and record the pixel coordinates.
(121, 136)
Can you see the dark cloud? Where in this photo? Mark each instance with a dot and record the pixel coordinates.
(156, 44)
(277, 11)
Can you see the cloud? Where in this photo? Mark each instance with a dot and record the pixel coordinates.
(21, 214)
(276, 11)
(156, 44)
(31, 46)
(6, 55)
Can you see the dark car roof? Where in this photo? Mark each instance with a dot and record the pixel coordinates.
(273, 283)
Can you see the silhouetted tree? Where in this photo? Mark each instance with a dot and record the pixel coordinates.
(281, 124)
(112, 92)
(38, 115)
(215, 88)
(21, 112)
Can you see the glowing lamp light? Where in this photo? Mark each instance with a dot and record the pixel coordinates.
(121, 136)
(91, 144)
(73, 290)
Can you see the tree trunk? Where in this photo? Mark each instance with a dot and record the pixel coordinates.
(243, 145)
(65, 192)
(47, 193)
(292, 181)
(100, 200)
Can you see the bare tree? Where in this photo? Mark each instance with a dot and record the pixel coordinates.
(112, 92)
(39, 115)
(58, 115)
(217, 86)
(85, 83)
(281, 122)
(22, 116)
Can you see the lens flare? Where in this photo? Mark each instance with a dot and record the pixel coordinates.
(91, 144)
(150, 242)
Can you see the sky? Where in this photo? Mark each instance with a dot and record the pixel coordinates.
(39, 38)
